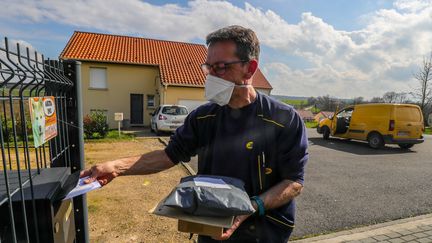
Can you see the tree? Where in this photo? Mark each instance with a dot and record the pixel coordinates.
(402, 98)
(302, 104)
(358, 100)
(424, 76)
(327, 103)
(390, 97)
(377, 100)
(311, 100)
(394, 97)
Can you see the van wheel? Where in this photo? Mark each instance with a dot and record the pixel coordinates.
(375, 140)
(326, 132)
(406, 145)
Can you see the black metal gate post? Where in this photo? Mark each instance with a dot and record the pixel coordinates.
(72, 70)
(34, 173)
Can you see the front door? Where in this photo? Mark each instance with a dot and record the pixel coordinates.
(137, 101)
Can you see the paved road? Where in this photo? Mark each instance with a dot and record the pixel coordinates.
(349, 185)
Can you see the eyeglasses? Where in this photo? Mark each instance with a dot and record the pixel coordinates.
(219, 67)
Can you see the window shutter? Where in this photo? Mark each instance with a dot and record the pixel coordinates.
(98, 78)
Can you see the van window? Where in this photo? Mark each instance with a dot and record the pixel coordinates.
(174, 110)
(410, 114)
(345, 113)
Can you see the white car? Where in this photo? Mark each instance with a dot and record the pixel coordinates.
(167, 118)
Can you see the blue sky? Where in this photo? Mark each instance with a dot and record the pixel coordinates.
(344, 48)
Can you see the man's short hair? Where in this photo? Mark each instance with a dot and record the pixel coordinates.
(245, 39)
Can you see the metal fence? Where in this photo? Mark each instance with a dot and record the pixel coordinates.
(31, 176)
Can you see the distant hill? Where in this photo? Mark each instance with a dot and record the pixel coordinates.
(284, 97)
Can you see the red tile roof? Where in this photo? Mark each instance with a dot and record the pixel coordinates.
(179, 62)
(305, 114)
(327, 113)
(259, 81)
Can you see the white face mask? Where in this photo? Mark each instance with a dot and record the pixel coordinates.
(218, 90)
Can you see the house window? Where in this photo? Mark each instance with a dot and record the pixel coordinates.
(150, 100)
(98, 78)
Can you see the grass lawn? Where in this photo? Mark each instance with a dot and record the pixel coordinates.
(11, 158)
(112, 136)
(295, 102)
(312, 124)
(315, 110)
(428, 130)
(118, 212)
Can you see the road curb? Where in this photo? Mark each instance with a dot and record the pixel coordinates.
(362, 230)
(185, 165)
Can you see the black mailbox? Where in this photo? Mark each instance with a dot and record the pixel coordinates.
(54, 217)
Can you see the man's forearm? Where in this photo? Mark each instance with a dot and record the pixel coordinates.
(280, 194)
(148, 163)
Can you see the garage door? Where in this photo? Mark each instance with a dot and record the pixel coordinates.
(192, 104)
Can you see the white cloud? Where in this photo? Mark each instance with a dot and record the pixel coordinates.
(22, 45)
(13, 49)
(367, 62)
(412, 5)
(326, 80)
(12, 62)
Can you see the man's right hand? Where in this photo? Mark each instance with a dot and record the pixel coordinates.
(104, 173)
(145, 164)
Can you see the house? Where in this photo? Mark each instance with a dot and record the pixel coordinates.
(306, 115)
(134, 75)
(322, 114)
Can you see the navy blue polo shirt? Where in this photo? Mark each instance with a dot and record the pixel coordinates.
(223, 137)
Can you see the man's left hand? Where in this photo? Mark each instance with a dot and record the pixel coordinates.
(227, 233)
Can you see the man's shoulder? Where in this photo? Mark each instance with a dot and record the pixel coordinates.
(278, 112)
(207, 109)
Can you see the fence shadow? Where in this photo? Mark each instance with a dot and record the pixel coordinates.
(356, 147)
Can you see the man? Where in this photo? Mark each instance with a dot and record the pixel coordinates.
(240, 133)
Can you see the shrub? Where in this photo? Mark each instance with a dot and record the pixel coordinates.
(88, 126)
(19, 128)
(95, 125)
(8, 132)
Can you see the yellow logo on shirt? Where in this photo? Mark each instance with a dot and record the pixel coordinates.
(268, 171)
(249, 145)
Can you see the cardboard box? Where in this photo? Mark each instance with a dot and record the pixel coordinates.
(201, 229)
(211, 226)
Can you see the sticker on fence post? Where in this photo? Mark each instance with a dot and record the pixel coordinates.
(43, 119)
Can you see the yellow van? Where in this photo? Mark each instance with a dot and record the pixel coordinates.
(379, 124)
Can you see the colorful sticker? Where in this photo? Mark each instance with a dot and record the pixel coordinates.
(43, 119)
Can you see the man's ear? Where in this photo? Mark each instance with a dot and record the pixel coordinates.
(252, 67)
